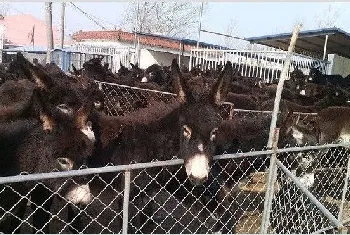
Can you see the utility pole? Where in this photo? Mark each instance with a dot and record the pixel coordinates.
(63, 8)
(49, 34)
(200, 24)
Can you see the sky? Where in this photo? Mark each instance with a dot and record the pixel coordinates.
(249, 19)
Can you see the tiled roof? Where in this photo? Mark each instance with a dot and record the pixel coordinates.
(145, 39)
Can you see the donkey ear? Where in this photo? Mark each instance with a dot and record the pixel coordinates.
(37, 75)
(74, 69)
(179, 85)
(220, 89)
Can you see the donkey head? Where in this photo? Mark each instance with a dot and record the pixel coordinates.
(56, 101)
(314, 73)
(199, 118)
(304, 131)
(136, 71)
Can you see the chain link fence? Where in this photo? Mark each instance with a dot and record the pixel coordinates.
(121, 99)
(310, 193)
(157, 197)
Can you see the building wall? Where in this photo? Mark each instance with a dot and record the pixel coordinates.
(339, 65)
(165, 58)
(30, 56)
(146, 59)
(148, 55)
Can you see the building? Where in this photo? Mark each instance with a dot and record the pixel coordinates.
(331, 44)
(26, 32)
(153, 48)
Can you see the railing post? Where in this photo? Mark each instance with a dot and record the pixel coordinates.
(126, 201)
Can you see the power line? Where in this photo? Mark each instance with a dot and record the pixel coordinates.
(88, 16)
(102, 20)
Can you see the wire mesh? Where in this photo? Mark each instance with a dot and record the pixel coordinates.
(120, 99)
(167, 202)
(323, 172)
(34, 207)
(293, 212)
(163, 200)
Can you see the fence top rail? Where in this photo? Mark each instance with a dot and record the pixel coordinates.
(267, 111)
(235, 51)
(136, 88)
(135, 166)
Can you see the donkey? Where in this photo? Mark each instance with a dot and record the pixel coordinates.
(196, 120)
(331, 125)
(186, 128)
(59, 131)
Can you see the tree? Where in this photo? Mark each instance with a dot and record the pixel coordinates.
(165, 18)
(232, 30)
(328, 18)
(4, 8)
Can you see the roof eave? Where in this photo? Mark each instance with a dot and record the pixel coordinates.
(308, 33)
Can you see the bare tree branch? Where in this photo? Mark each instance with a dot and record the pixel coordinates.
(4, 8)
(233, 43)
(328, 18)
(166, 18)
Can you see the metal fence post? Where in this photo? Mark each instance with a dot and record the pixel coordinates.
(345, 190)
(126, 201)
(270, 186)
(272, 135)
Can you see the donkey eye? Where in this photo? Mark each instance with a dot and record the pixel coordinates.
(187, 132)
(213, 134)
(64, 108)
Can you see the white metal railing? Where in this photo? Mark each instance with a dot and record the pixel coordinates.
(265, 64)
(113, 55)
